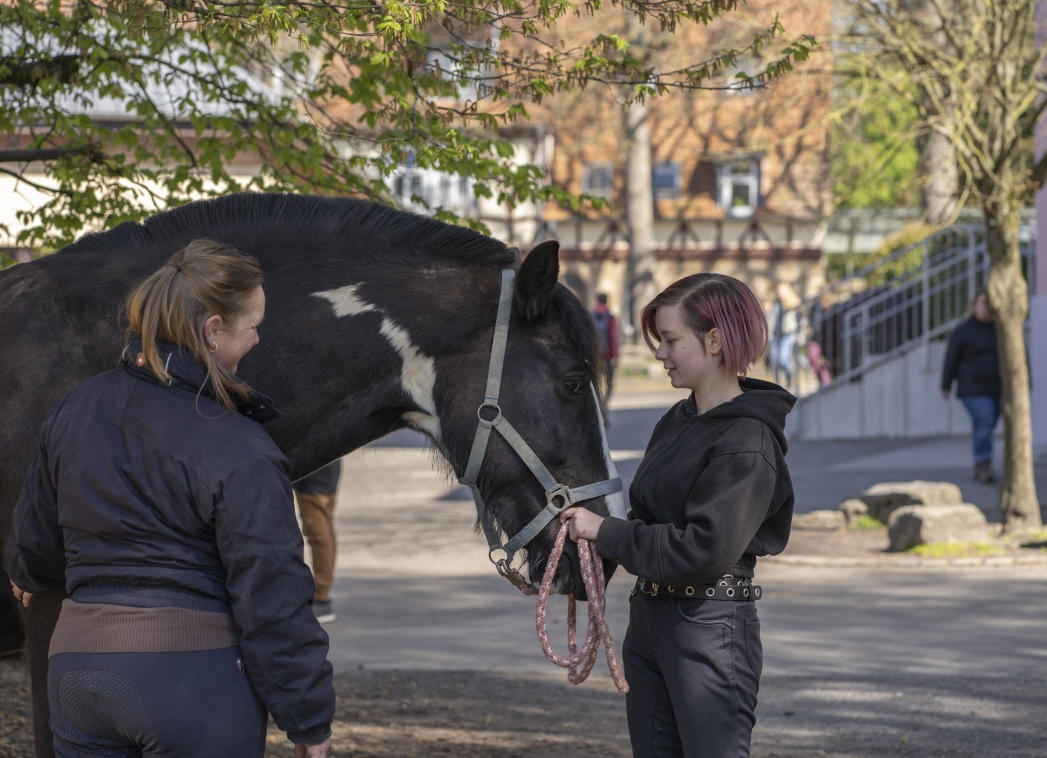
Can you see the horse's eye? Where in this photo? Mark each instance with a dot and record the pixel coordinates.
(574, 384)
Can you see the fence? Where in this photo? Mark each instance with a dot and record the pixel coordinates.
(915, 295)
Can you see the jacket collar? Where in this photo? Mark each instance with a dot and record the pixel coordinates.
(188, 372)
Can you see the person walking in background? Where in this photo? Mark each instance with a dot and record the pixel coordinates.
(817, 342)
(711, 495)
(607, 336)
(784, 324)
(317, 495)
(972, 361)
(161, 505)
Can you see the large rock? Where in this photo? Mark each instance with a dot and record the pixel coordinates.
(913, 525)
(883, 499)
(822, 521)
(853, 509)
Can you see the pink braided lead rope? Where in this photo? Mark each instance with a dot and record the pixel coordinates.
(596, 630)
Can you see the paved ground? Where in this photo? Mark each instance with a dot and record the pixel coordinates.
(876, 657)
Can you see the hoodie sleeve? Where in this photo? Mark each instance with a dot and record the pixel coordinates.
(35, 554)
(283, 646)
(725, 508)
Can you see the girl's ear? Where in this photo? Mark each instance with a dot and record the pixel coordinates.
(713, 346)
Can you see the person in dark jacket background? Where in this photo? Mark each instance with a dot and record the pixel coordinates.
(710, 496)
(160, 503)
(972, 361)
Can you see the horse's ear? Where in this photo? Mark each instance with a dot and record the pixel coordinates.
(537, 278)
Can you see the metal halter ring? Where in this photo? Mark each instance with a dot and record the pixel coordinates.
(497, 412)
(561, 494)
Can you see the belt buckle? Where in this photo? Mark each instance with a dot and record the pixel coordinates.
(647, 588)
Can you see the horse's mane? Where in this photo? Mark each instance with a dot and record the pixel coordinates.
(360, 220)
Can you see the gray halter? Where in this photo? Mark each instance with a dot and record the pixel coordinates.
(558, 496)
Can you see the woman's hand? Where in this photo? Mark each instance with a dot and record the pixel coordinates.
(21, 595)
(312, 751)
(581, 524)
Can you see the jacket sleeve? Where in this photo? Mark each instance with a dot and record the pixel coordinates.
(724, 510)
(34, 557)
(951, 364)
(283, 646)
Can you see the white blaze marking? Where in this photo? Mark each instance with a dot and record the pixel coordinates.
(616, 501)
(418, 373)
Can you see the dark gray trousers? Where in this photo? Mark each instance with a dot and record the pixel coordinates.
(693, 668)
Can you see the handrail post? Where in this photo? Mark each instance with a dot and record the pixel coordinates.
(972, 266)
(925, 296)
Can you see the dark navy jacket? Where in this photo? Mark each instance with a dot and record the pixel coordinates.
(141, 483)
(972, 360)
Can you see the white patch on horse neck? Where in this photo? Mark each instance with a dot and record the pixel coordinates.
(423, 422)
(418, 374)
(616, 501)
(345, 301)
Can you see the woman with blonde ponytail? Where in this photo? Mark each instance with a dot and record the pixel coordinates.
(165, 510)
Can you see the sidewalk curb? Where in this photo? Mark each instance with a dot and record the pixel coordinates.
(905, 562)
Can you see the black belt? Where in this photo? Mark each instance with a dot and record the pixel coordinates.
(726, 588)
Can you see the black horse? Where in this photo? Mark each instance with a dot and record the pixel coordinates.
(376, 320)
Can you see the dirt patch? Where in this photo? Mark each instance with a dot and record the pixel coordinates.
(401, 714)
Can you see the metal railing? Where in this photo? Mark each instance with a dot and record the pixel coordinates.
(915, 295)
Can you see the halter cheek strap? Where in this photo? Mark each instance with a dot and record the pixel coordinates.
(489, 414)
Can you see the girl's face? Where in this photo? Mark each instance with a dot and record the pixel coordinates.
(684, 354)
(236, 339)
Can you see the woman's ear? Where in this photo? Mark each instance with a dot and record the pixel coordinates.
(212, 324)
(713, 346)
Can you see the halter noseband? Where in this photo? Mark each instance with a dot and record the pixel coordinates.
(558, 496)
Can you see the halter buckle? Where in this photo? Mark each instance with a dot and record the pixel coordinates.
(561, 493)
(514, 576)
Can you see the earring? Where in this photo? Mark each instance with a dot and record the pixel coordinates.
(213, 346)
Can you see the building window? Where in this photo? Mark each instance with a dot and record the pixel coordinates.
(665, 180)
(424, 190)
(450, 69)
(739, 187)
(598, 179)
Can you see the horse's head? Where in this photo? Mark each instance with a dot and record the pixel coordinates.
(541, 442)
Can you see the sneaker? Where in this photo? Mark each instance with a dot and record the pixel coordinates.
(324, 611)
(983, 472)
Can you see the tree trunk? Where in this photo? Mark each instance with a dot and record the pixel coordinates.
(1009, 301)
(639, 214)
(939, 179)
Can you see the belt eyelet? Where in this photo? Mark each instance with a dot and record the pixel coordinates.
(710, 591)
(689, 591)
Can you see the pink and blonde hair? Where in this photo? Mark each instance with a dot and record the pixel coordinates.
(714, 301)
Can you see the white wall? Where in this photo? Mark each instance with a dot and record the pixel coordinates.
(899, 399)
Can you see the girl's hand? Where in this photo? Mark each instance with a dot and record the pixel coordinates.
(21, 595)
(581, 524)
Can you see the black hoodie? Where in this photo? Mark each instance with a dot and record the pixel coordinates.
(711, 494)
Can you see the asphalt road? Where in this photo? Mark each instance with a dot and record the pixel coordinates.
(924, 662)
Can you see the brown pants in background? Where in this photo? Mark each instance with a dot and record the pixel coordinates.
(318, 527)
